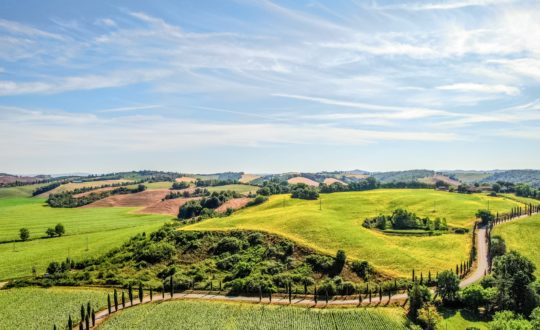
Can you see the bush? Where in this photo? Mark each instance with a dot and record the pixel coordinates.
(257, 200)
(319, 263)
(155, 252)
(189, 210)
(327, 286)
(303, 191)
(362, 269)
(228, 244)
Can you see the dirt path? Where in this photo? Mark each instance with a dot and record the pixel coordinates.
(482, 263)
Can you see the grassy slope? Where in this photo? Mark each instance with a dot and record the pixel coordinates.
(522, 235)
(103, 227)
(460, 319)
(241, 188)
(21, 191)
(214, 315)
(36, 308)
(339, 225)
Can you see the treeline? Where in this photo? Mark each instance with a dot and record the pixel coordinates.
(180, 185)
(67, 200)
(44, 189)
(371, 184)
(205, 207)
(213, 183)
(197, 192)
(303, 191)
(402, 219)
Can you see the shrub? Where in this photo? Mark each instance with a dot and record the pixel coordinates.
(319, 263)
(155, 252)
(228, 244)
(362, 269)
(327, 286)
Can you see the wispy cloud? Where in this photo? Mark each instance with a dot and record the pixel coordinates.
(22, 29)
(448, 5)
(132, 108)
(481, 88)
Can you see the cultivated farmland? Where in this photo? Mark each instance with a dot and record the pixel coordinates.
(213, 315)
(335, 223)
(36, 308)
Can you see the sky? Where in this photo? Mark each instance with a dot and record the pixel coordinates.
(268, 86)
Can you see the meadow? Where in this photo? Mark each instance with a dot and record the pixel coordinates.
(183, 314)
(240, 188)
(89, 232)
(522, 235)
(38, 308)
(335, 222)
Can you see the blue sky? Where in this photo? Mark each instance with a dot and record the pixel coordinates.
(268, 86)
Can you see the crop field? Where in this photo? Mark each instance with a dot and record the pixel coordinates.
(37, 308)
(182, 314)
(240, 188)
(335, 223)
(522, 235)
(99, 229)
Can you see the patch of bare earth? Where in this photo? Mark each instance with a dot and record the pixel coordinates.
(142, 199)
(301, 179)
(357, 176)
(236, 203)
(438, 177)
(168, 206)
(246, 178)
(97, 191)
(329, 181)
(75, 185)
(185, 179)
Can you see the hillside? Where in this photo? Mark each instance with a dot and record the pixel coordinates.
(335, 222)
(411, 175)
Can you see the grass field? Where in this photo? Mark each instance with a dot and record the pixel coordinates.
(460, 319)
(339, 225)
(183, 314)
(21, 191)
(36, 308)
(240, 188)
(103, 228)
(74, 185)
(522, 235)
(158, 185)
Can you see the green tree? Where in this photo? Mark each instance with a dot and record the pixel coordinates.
(497, 246)
(419, 295)
(496, 188)
(473, 297)
(59, 229)
(447, 286)
(507, 320)
(339, 262)
(429, 317)
(50, 232)
(24, 234)
(513, 275)
(485, 216)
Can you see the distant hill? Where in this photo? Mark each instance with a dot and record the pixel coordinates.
(399, 176)
(530, 177)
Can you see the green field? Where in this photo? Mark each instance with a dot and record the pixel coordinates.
(240, 188)
(339, 225)
(158, 185)
(20, 191)
(99, 229)
(460, 319)
(183, 314)
(35, 308)
(522, 235)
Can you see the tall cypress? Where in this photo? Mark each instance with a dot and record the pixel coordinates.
(172, 287)
(109, 303)
(141, 296)
(88, 309)
(130, 294)
(82, 313)
(151, 295)
(87, 321)
(123, 300)
(70, 322)
(93, 318)
(115, 300)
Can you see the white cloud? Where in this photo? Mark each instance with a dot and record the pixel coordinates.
(448, 5)
(108, 22)
(18, 28)
(132, 108)
(481, 88)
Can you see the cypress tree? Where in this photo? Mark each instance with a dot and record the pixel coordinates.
(93, 318)
(172, 286)
(81, 327)
(370, 297)
(115, 300)
(413, 276)
(429, 277)
(290, 293)
(151, 294)
(421, 278)
(260, 293)
(109, 303)
(87, 321)
(70, 322)
(141, 293)
(82, 314)
(163, 291)
(130, 294)
(315, 294)
(54, 326)
(270, 295)
(457, 270)
(88, 309)
(380, 294)
(123, 300)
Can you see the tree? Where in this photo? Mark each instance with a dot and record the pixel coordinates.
(507, 320)
(50, 232)
(497, 246)
(339, 262)
(115, 300)
(447, 285)
(513, 275)
(429, 317)
(419, 295)
(496, 188)
(59, 229)
(474, 297)
(24, 234)
(109, 303)
(485, 216)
